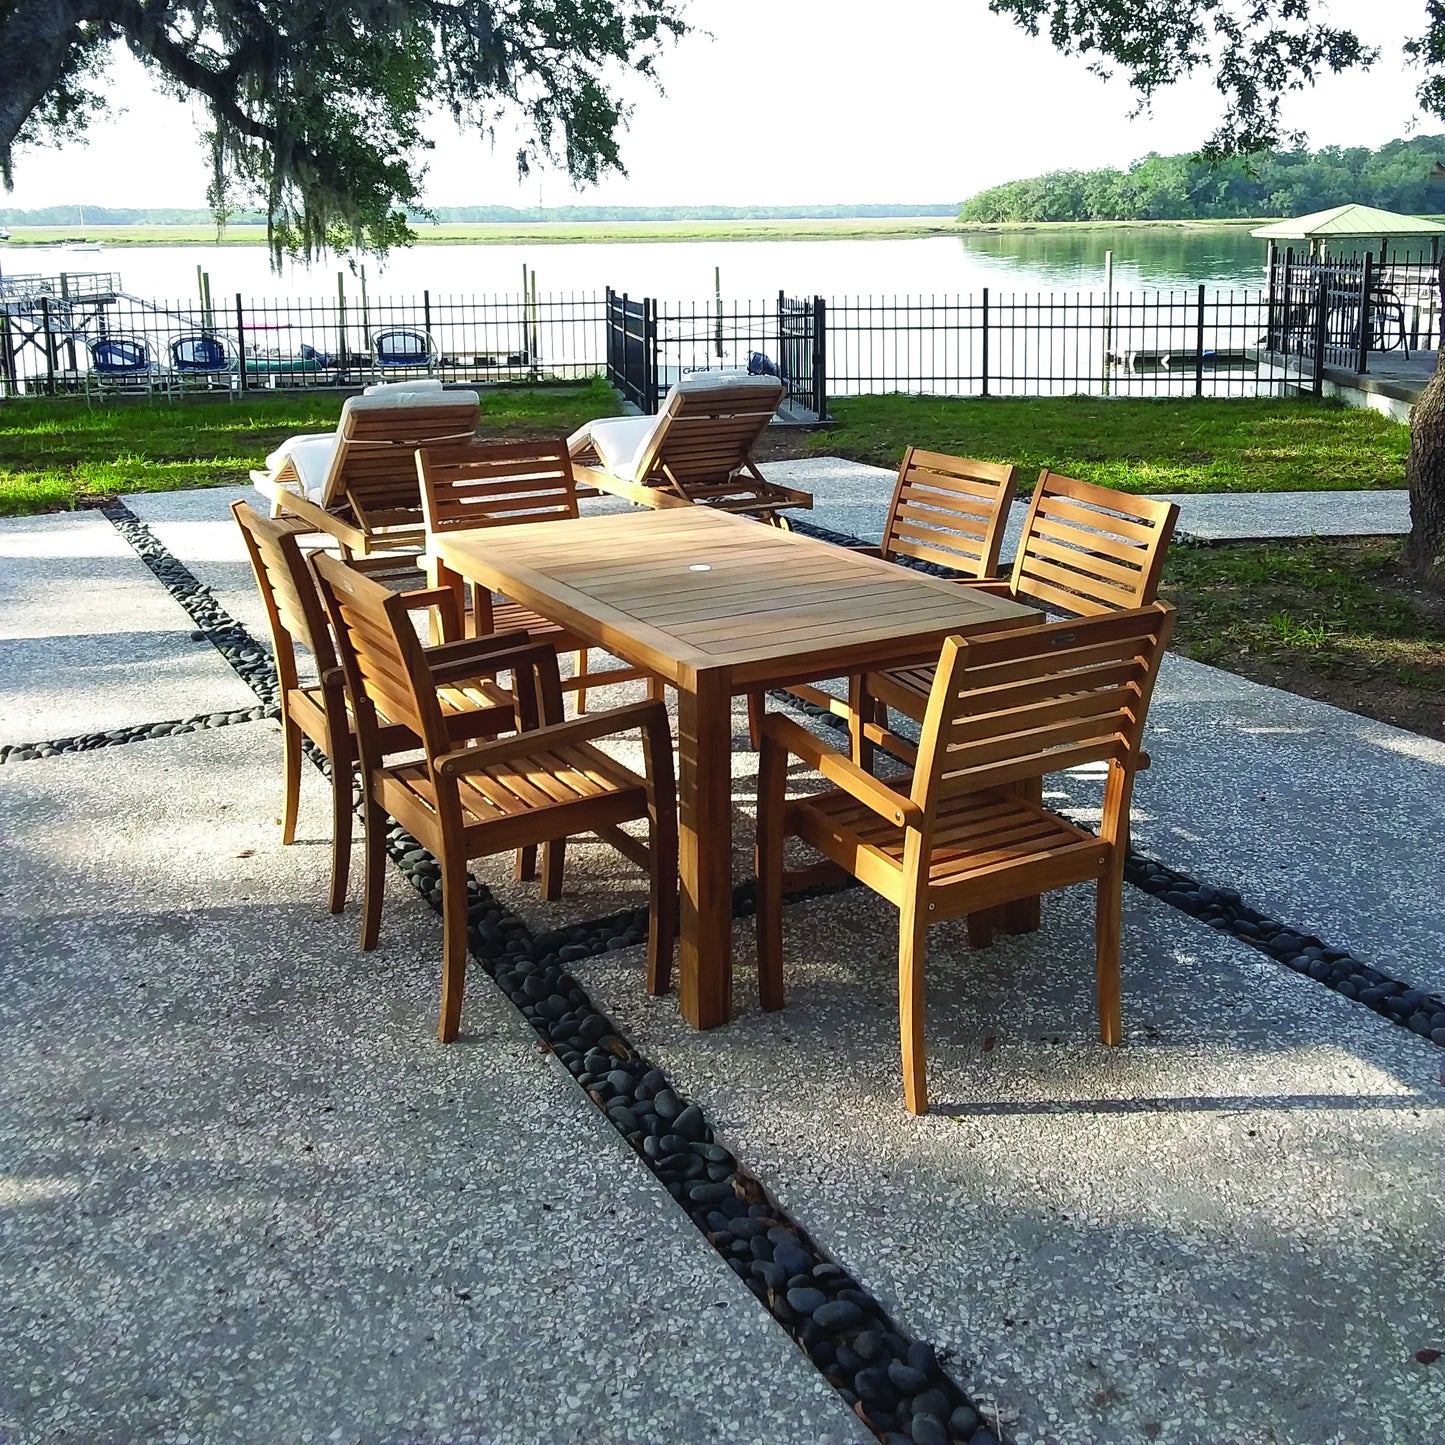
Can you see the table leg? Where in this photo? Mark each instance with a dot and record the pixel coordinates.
(704, 798)
(1022, 915)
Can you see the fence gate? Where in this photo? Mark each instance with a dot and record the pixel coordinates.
(632, 349)
(803, 353)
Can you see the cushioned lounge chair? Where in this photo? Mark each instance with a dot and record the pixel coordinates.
(359, 483)
(697, 449)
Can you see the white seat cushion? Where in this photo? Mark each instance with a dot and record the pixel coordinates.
(617, 440)
(421, 383)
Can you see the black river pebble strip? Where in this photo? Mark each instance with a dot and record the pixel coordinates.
(114, 737)
(895, 1384)
(215, 624)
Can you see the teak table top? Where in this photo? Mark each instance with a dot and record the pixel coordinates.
(689, 590)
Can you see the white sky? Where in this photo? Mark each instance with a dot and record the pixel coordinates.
(918, 100)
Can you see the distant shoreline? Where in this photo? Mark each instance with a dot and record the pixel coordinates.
(550, 233)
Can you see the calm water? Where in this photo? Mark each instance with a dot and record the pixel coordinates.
(683, 270)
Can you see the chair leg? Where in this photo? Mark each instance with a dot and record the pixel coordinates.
(527, 863)
(581, 672)
(912, 946)
(373, 875)
(341, 776)
(554, 854)
(291, 764)
(772, 779)
(1108, 922)
(454, 941)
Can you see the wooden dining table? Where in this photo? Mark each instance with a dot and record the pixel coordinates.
(718, 605)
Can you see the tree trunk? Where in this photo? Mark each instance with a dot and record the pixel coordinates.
(1425, 474)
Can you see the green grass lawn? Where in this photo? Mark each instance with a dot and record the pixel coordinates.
(1193, 445)
(60, 452)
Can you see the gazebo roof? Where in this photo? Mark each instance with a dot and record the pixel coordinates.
(1349, 220)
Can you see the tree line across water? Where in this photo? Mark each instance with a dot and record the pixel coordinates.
(1397, 177)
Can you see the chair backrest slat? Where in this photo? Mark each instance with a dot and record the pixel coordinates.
(1088, 549)
(381, 655)
(489, 484)
(372, 465)
(288, 590)
(705, 435)
(1033, 700)
(949, 511)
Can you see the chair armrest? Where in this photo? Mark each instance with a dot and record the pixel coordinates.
(873, 793)
(321, 520)
(646, 715)
(994, 586)
(381, 563)
(865, 549)
(453, 662)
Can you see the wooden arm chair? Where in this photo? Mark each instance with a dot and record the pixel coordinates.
(697, 449)
(359, 484)
(947, 510)
(540, 786)
(1085, 550)
(473, 707)
(496, 484)
(966, 834)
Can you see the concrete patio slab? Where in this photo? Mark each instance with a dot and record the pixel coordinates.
(1327, 820)
(1224, 1230)
(250, 1198)
(89, 640)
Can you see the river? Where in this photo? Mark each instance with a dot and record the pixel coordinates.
(1026, 261)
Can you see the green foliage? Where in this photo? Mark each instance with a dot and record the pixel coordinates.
(316, 109)
(59, 453)
(1397, 177)
(1190, 445)
(1256, 52)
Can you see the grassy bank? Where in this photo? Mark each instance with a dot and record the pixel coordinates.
(1337, 619)
(62, 453)
(1194, 445)
(524, 233)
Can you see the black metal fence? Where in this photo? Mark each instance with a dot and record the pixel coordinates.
(74, 332)
(102, 337)
(1341, 310)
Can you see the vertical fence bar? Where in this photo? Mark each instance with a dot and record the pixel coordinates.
(426, 323)
(820, 358)
(984, 390)
(1362, 356)
(1199, 345)
(240, 343)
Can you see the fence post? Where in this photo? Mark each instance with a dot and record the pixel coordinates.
(1322, 301)
(49, 345)
(240, 344)
(820, 358)
(426, 319)
(342, 344)
(1362, 359)
(984, 392)
(1271, 323)
(649, 354)
(9, 380)
(1199, 346)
